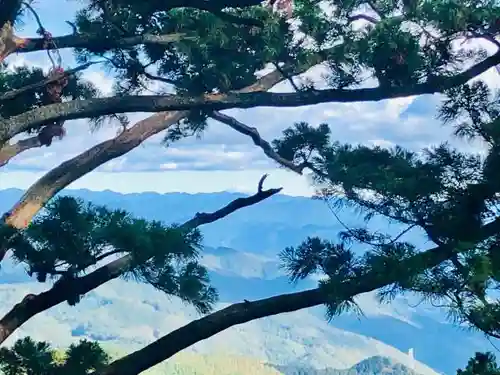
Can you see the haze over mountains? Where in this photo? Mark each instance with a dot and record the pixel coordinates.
(241, 255)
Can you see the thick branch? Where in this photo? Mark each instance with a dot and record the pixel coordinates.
(240, 313)
(71, 170)
(363, 17)
(66, 289)
(85, 41)
(106, 106)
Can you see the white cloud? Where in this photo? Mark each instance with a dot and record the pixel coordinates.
(100, 80)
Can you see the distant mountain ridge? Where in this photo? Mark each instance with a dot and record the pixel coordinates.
(241, 257)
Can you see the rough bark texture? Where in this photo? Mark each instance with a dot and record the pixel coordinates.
(154, 103)
(85, 41)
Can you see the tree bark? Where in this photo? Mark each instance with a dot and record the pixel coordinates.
(71, 170)
(8, 151)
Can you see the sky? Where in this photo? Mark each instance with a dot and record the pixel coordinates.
(222, 160)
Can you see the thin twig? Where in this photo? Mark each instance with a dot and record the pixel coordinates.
(257, 140)
(364, 17)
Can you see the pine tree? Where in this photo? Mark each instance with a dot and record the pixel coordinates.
(27, 357)
(204, 56)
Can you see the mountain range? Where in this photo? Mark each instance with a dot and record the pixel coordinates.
(241, 254)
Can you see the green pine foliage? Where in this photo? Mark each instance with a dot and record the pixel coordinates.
(481, 364)
(27, 357)
(448, 194)
(69, 236)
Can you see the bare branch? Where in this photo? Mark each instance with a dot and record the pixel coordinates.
(105, 106)
(240, 313)
(7, 152)
(66, 289)
(257, 140)
(364, 17)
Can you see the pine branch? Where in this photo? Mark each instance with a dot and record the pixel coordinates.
(363, 17)
(77, 109)
(85, 41)
(58, 178)
(69, 288)
(240, 313)
(63, 175)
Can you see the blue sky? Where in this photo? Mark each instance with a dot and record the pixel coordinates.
(222, 159)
